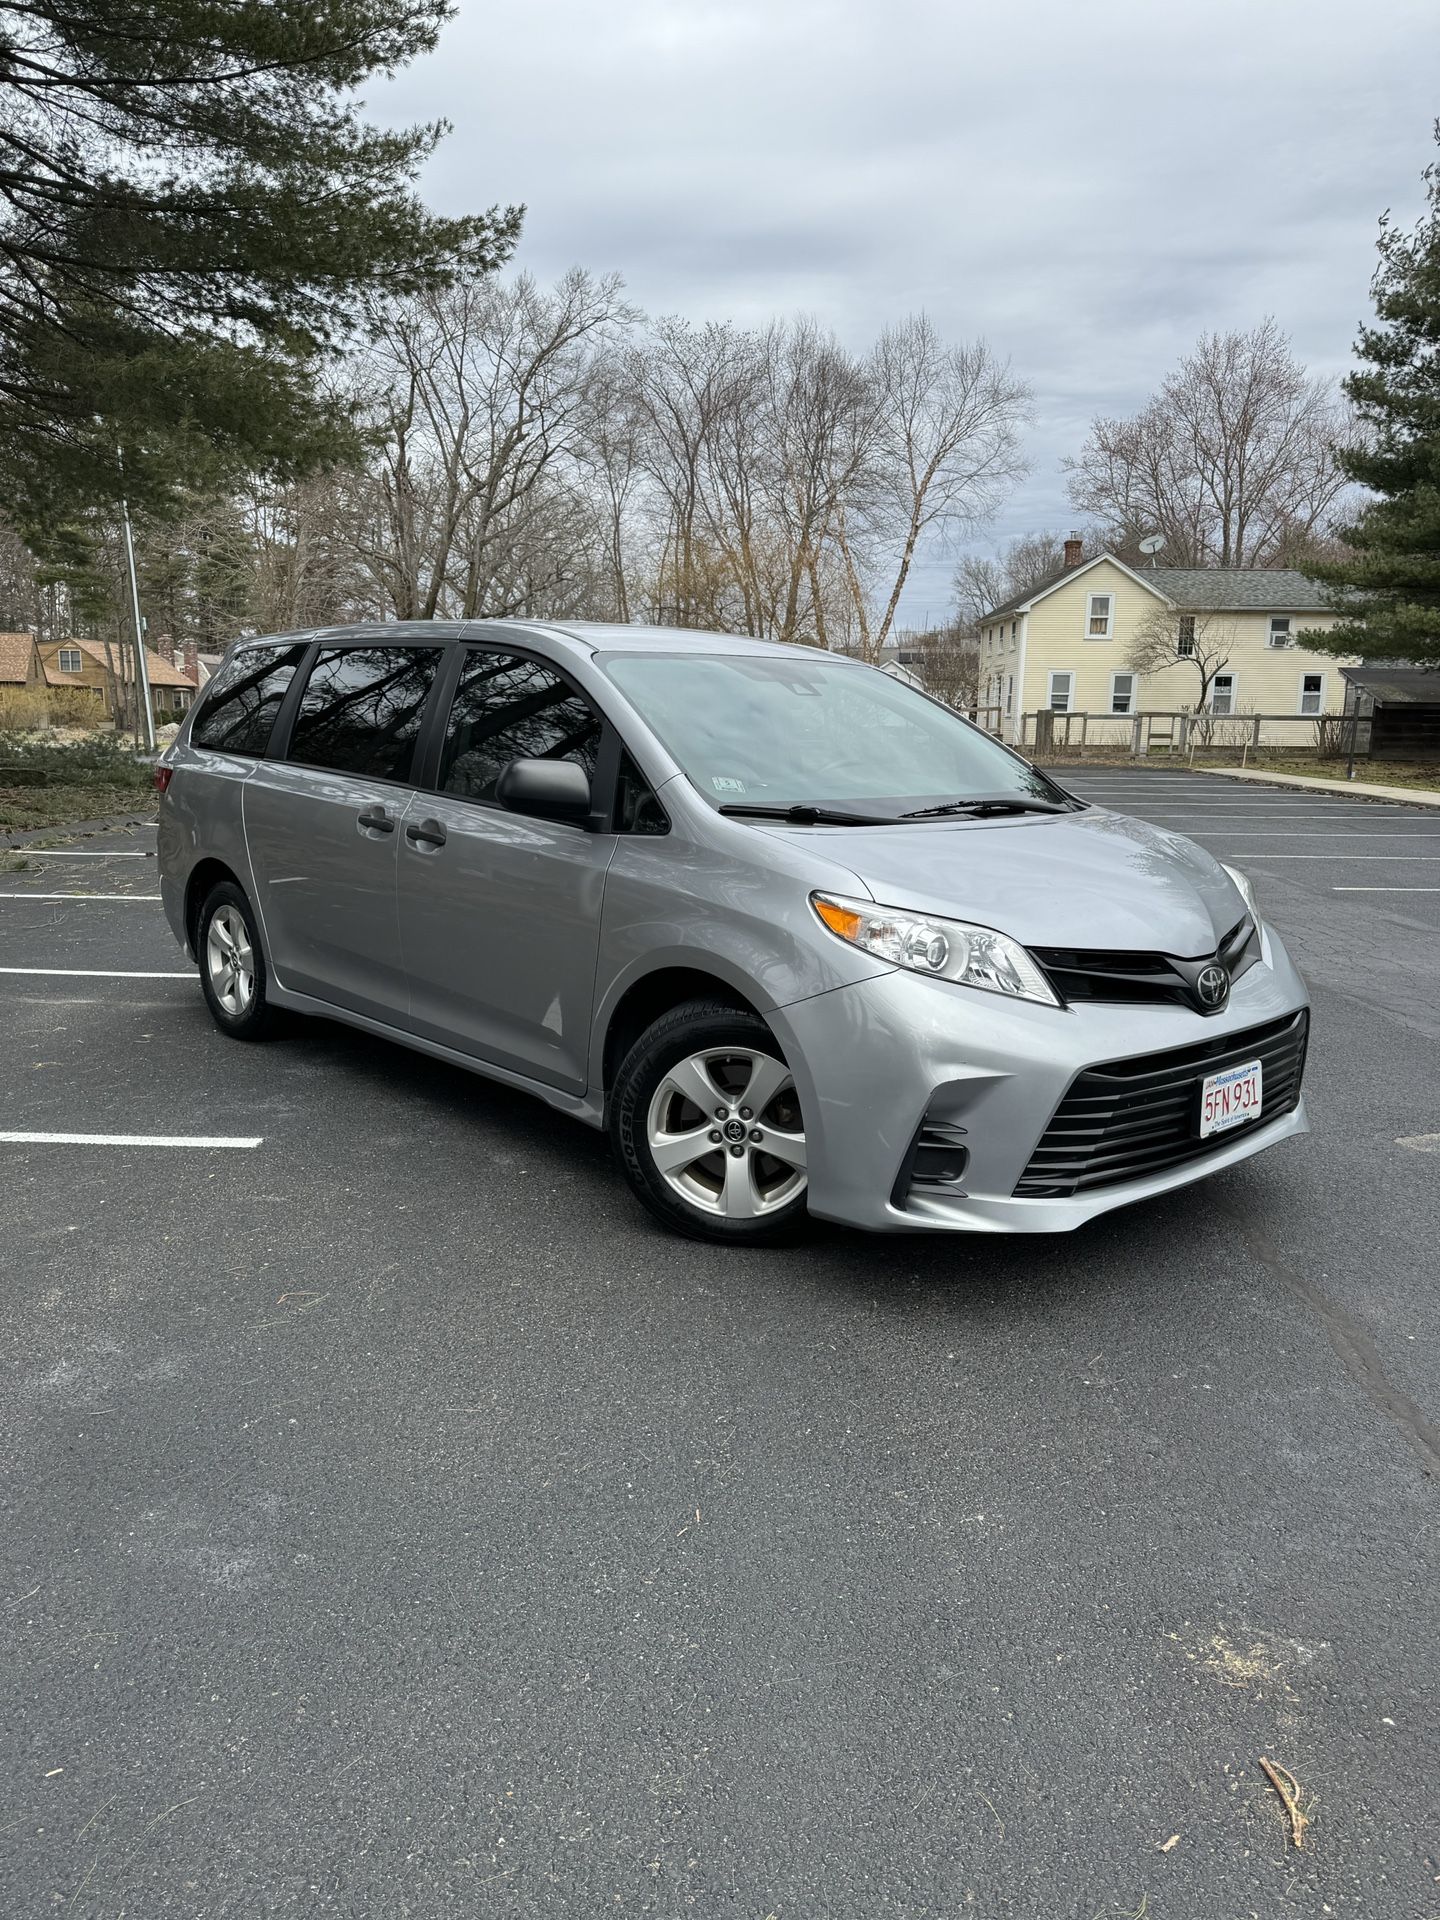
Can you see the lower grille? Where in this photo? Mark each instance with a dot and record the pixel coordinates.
(1130, 1118)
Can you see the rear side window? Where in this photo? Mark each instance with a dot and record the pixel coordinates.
(242, 701)
(509, 708)
(361, 710)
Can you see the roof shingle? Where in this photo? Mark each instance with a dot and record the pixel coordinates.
(16, 650)
(1204, 589)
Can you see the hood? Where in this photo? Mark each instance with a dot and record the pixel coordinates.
(1093, 879)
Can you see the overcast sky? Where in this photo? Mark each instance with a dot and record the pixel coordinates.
(1090, 184)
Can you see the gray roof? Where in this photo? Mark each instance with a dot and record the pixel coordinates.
(1205, 589)
(1238, 589)
(1397, 686)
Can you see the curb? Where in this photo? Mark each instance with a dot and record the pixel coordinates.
(1350, 789)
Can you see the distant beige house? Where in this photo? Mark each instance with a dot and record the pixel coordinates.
(1066, 645)
(83, 666)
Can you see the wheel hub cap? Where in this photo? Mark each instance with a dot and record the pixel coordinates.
(725, 1133)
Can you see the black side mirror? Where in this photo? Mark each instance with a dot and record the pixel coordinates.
(549, 789)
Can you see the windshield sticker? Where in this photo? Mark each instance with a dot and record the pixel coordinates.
(722, 785)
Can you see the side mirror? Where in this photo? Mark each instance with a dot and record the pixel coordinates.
(548, 789)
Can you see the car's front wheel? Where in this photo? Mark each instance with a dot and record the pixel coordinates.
(232, 967)
(706, 1122)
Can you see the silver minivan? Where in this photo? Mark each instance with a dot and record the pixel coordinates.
(802, 939)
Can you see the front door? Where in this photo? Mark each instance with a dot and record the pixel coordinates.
(500, 913)
(323, 827)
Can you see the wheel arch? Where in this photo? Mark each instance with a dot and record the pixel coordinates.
(645, 999)
(203, 878)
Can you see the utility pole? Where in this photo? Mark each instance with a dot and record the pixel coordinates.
(145, 720)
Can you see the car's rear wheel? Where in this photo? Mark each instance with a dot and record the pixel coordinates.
(232, 966)
(706, 1122)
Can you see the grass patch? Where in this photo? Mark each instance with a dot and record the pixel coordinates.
(47, 782)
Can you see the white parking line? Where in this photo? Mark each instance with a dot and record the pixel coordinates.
(74, 853)
(96, 973)
(129, 1140)
(1254, 853)
(79, 896)
(1385, 889)
(1319, 833)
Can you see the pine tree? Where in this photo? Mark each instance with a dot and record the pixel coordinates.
(1388, 585)
(191, 212)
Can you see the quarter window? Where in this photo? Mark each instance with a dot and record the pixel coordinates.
(1312, 692)
(509, 708)
(72, 660)
(636, 808)
(1222, 693)
(1122, 693)
(243, 699)
(361, 710)
(1099, 616)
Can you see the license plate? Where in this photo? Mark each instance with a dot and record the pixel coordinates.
(1230, 1098)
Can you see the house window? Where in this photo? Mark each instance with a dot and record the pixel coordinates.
(1014, 629)
(1122, 693)
(1062, 686)
(1312, 693)
(72, 660)
(1009, 691)
(1222, 693)
(1099, 615)
(1185, 637)
(1280, 635)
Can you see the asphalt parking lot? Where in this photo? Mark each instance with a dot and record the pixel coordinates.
(397, 1523)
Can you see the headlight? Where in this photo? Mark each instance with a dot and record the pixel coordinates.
(945, 949)
(1246, 892)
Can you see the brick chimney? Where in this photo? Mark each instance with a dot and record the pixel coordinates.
(1074, 548)
(189, 665)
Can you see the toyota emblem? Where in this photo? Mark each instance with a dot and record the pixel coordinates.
(1212, 989)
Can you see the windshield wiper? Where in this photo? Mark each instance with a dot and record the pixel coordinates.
(804, 815)
(988, 806)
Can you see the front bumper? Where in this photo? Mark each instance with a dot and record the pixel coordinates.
(871, 1061)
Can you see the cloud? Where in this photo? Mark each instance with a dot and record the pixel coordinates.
(1090, 187)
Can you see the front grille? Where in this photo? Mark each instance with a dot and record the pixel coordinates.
(1130, 1118)
(1079, 973)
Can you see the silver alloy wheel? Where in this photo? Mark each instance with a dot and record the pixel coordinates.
(230, 961)
(725, 1131)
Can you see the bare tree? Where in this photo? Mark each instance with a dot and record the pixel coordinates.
(1233, 460)
(982, 581)
(1203, 642)
(948, 439)
(947, 659)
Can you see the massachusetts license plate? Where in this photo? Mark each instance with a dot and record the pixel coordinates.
(1230, 1098)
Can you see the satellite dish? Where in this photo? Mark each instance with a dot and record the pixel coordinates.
(1152, 543)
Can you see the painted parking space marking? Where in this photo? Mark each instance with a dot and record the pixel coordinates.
(206, 1140)
(1420, 1142)
(79, 896)
(1254, 853)
(96, 973)
(76, 853)
(1385, 889)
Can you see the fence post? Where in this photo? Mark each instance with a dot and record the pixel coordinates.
(1136, 726)
(1044, 730)
(1184, 731)
(1255, 735)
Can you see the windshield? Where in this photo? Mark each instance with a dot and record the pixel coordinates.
(810, 731)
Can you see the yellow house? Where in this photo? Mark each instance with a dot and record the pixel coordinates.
(86, 666)
(1111, 642)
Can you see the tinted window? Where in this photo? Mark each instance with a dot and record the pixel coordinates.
(243, 699)
(507, 708)
(361, 709)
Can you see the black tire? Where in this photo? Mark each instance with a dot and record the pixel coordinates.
(245, 1017)
(775, 1186)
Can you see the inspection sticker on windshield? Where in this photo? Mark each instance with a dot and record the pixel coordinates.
(1230, 1098)
(722, 785)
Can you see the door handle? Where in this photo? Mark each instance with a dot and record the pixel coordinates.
(375, 820)
(426, 833)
